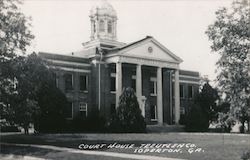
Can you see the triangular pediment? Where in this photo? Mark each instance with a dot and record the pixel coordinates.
(149, 48)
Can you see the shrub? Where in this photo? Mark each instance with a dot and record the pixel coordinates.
(128, 118)
(94, 122)
(196, 120)
(52, 103)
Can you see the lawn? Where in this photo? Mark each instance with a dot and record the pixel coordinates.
(207, 146)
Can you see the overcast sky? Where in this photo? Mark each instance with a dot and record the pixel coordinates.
(60, 26)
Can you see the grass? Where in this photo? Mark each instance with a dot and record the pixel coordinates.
(215, 146)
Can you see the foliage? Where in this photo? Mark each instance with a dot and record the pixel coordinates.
(197, 120)
(224, 119)
(128, 116)
(230, 36)
(15, 35)
(204, 111)
(34, 95)
(246, 155)
(207, 100)
(52, 103)
(94, 122)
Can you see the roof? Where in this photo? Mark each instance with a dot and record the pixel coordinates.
(113, 51)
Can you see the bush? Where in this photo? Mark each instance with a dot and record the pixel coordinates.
(183, 119)
(128, 118)
(94, 122)
(52, 103)
(246, 156)
(197, 120)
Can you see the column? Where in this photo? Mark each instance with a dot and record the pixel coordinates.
(177, 97)
(139, 87)
(118, 82)
(159, 96)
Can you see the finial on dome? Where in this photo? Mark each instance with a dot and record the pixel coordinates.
(103, 7)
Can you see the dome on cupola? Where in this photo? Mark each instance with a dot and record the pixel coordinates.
(103, 21)
(103, 8)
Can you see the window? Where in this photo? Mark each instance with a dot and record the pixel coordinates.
(112, 82)
(153, 86)
(83, 83)
(69, 110)
(68, 79)
(190, 92)
(109, 27)
(83, 109)
(94, 27)
(55, 78)
(112, 109)
(102, 26)
(181, 91)
(133, 82)
(182, 110)
(153, 112)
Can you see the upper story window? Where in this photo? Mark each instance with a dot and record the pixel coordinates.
(190, 92)
(181, 91)
(83, 83)
(112, 82)
(110, 27)
(153, 86)
(68, 79)
(102, 26)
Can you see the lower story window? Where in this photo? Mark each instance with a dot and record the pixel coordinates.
(112, 109)
(153, 111)
(182, 110)
(69, 110)
(83, 109)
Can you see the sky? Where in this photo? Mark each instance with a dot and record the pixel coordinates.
(61, 26)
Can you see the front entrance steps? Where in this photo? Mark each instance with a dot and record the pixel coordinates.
(165, 128)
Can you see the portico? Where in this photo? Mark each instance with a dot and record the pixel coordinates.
(158, 64)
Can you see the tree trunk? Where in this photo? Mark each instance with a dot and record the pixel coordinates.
(26, 130)
(248, 125)
(242, 128)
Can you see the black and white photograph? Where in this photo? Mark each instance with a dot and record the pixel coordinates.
(124, 79)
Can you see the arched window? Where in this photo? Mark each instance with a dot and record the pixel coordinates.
(102, 26)
(109, 27)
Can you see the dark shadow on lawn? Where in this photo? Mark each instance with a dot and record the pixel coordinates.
(69, 142)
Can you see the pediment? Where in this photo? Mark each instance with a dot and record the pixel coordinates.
(150, 49)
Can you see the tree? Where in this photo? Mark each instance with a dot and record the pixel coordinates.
(204, 110)
(207, 99)
(128, 116)
(15, 36)
(52, 103)
(230, 36)
(197, 120)
(35, 95)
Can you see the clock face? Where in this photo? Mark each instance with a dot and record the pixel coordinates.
(150, 50)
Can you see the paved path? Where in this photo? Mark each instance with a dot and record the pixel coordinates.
(96, 153)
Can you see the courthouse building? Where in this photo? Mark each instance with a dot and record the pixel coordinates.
(93, 78)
